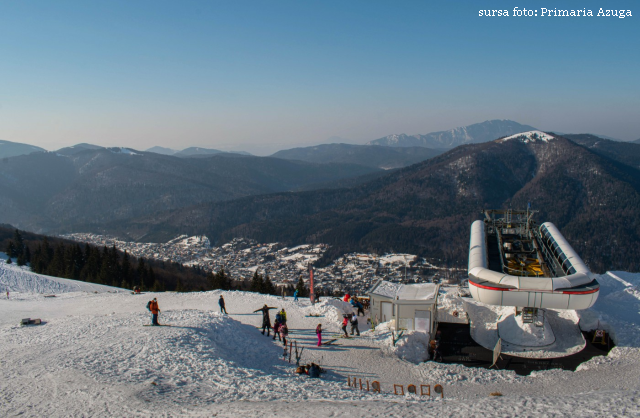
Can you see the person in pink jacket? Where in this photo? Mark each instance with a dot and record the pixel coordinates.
(319, 334)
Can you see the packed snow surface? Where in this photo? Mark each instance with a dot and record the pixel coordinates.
(93, 357)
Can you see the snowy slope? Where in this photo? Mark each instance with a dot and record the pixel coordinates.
(19, 279)
(93, 357)
(531, 136)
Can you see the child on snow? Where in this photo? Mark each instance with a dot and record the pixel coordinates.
(319, 334)
(284, 331)
(345, 322)
(276, 328)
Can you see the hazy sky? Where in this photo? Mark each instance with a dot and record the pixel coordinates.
(266, 75)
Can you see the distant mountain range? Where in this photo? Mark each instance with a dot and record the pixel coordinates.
(637, 141)
(472, 134)
(192, 152)
(46, 190)
(162, 150)
(12, 149)
(367, 155)
(427, 208)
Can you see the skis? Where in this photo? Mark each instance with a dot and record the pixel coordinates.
(331, 342)
(159, 325)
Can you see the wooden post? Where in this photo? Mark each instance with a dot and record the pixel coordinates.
(395, 389)
(422, 393)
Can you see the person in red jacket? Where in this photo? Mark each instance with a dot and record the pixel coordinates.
(153, 307)
(347, 297)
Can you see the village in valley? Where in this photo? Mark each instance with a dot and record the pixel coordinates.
(241, 258)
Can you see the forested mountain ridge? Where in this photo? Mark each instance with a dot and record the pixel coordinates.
(367, 155)
(46, 191)
(624, 152)
(428, 208)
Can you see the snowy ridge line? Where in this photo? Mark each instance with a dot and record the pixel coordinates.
(531, 136)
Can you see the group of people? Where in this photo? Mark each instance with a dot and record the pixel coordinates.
(280, 328)
(352, 320)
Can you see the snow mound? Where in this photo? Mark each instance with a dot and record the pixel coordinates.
(15, 279)
(512, 329)
(412, 346)
(617, 309)
(332, 311)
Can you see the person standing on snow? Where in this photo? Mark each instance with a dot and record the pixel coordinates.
(284, 331)
(319, 334)
(354, 324)
(221, 303)
(347, 296)
(295, 296)
(360, 308)
(283, 317)
(266, 320)
(276, 328)
(345, 321)
(153, 307)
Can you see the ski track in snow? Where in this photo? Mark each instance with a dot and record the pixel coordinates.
(94, 357)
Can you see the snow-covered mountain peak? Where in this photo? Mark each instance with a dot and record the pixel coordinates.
(531, 136)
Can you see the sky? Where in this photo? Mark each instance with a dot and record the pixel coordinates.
(260, 76)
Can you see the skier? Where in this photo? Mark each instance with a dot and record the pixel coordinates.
(283, 316)
(345, 321)
(284, 331)
(295, 296)
(319, 334)
(153, 307)
(266, 320)
(354, 324)
(221, 303)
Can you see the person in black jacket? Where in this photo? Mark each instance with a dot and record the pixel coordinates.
(221, 303)
(266, 320)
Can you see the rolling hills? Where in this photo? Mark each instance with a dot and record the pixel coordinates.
(12, 149)
(367, 155)
(427, 208)
(50, 191)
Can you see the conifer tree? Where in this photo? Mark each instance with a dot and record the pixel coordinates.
(19, 243)
(268, 288)
(257, 284)
(20, 261)
(11, 249)
(27, 254)
(9, 260)
(179, 286)
(300, 287)
(221, 280)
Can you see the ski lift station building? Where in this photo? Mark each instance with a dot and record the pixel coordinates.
(408, 306)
